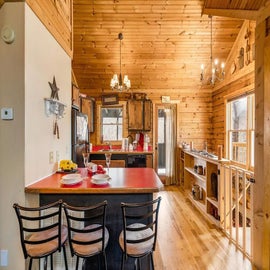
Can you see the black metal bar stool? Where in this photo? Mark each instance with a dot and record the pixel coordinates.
(138, 237)
(87, 233)
(41, 231)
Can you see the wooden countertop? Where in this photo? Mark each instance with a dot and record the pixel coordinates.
(123, 180)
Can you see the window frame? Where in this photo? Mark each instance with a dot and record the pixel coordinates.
(99, 137)
(250, 131)
(116, 125)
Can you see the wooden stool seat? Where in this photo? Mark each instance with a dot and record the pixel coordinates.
(41, 250)
(90, 250)
(137, 249)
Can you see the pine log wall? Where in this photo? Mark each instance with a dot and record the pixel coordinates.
(57, 16)
(237, 83)
(200, 110)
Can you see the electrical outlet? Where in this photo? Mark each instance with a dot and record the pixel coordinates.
(51, 157)
(57, 156)
(3, 258)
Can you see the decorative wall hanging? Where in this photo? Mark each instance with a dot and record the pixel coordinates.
(248, 49)
(54, 107)
(241, 58)
(109, 99)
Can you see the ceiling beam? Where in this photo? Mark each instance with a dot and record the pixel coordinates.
(232, 13)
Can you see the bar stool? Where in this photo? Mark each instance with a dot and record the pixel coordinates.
(41, 231)
(138, 237)
(87, 233)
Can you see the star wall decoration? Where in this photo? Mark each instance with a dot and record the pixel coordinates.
(55, 89)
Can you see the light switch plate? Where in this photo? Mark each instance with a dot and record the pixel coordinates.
(3, 258)
(7, 113)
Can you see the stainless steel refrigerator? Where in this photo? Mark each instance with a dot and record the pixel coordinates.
(79, 136)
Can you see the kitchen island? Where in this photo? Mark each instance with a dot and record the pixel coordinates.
(125, 185)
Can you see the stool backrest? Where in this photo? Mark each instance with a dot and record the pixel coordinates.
(145, 215)
(40, 221)
(86, 220)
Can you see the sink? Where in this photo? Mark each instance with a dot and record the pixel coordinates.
(110, 150)
(207, 154)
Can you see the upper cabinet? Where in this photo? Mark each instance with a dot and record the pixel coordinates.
(87, 107)
(140, 115)
(75, 96)
(147, 115)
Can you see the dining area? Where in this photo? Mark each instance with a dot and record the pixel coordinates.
(118, 188)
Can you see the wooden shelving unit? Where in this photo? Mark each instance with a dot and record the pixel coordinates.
(206, 181)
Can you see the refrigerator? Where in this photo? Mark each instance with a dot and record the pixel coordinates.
(79, 136)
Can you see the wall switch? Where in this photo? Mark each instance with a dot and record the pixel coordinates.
(7, 113)
(51, 157)
(4, 258)
(57, 156)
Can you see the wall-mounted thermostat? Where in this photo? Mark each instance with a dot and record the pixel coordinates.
(7, 34)
(7, 113)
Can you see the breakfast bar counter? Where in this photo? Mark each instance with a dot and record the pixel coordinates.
(122, 180)
(124, 185)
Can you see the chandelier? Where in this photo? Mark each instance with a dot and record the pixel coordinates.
(120, 84)
(217, 72)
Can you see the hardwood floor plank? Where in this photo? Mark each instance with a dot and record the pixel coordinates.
(186, 240)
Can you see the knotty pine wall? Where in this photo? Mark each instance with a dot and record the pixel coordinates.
(236, 83)
(200, 112)
(57, 16)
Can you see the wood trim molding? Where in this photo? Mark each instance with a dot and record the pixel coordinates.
(232, 13)
(2, 2)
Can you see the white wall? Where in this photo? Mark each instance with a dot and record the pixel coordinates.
(26, 67)
(12, 133)
(44, 59)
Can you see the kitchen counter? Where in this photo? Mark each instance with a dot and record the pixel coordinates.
(123, 180)
(126, 185)
(120, 151)
(100, 149)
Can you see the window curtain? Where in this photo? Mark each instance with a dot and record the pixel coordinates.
(170, 145)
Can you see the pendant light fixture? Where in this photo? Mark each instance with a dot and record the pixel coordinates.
(217, 72)
(120, 84)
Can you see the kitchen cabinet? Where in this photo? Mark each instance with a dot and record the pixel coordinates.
(199, 176)
(140, 115)
(124, 159)
(149, 161)
(147, 115)
(75, 96)
(87, 105)
(119, 163)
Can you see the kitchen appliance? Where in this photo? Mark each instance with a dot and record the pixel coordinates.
(79, 136)
(136, 161)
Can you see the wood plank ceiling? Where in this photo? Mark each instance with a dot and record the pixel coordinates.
(165, 42)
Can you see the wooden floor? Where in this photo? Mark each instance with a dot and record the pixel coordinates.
(187, 241)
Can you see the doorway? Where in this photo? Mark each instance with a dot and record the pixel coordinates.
(165, 138)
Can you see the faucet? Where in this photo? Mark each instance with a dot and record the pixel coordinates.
(110, 145)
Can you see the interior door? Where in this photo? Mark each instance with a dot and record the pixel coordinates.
(165, 138)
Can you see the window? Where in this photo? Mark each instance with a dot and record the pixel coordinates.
(111, 123)
(240, 130)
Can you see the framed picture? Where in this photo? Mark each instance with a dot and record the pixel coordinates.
(110, 99)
